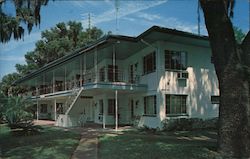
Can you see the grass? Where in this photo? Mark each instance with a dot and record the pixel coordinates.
(50, 142)
(174, 145)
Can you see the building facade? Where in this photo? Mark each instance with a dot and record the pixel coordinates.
(162, 73)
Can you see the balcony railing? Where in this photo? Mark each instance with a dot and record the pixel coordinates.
(100, 76)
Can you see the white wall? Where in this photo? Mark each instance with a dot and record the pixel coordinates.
(201, 84)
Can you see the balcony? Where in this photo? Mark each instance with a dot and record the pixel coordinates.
(103, 76)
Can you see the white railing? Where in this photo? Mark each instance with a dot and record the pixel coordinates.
(102, 75)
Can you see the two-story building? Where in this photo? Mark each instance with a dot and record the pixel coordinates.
(162, 73)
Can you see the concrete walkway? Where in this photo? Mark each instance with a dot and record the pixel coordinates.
(88, 145)
(44, 122)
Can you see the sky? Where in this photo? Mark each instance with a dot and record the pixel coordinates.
(134, 17)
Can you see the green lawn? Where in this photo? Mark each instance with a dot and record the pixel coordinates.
(141, 145)
(50, 143)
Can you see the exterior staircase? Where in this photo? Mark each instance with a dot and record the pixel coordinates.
(65, 120)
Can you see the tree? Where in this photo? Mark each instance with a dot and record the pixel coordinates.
(6, 84)
(232, 63)
(57, 42)
(239, 35)
(27, 12)
(2, 108)
(17, 114)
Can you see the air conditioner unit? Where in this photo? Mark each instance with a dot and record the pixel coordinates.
(182, 75)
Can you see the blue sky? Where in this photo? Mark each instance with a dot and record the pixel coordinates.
(134, 17)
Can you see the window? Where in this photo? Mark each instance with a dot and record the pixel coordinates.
(150, 105)
(43, 108)
(175, 60)
(111, 106)
(215, 99)
(149, 64)
(101, 106)
(176, 104)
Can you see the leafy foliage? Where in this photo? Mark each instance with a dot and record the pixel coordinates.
(16, 113)
(57, 42)
(27, 12)
(6, 84)
(239, 35)
(2, 108)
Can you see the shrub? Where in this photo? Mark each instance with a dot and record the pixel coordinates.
(147, 129)
(183, 124)
(17, 116)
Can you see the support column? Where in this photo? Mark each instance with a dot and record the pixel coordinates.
(37, 110)
(53, 82)
(55, 109)
(65, 78)
(96, 68)
(116, 111)
(84, 65)
(104, 113)
(81, 83)
(44, 88)
(113, 63)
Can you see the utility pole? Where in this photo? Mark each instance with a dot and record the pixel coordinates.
(89, 20)
(116, 14)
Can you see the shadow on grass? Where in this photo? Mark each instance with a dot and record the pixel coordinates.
(49, 143)
(135, 145)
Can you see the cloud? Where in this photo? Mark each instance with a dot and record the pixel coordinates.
(129, 19)
(148, 16)
(125, 8)
(169, 22)
(12, 58)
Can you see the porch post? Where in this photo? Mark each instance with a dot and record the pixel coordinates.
(95, 62)
(37, 110)
(116, 111)
(55, 109)
(113, 63)
(81, 72)
(103, 121)
(84, 65)
(65, 79)
(53, 82)
(104, 114)
(44, 88)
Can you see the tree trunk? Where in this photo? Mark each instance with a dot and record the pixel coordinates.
(234, 140)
